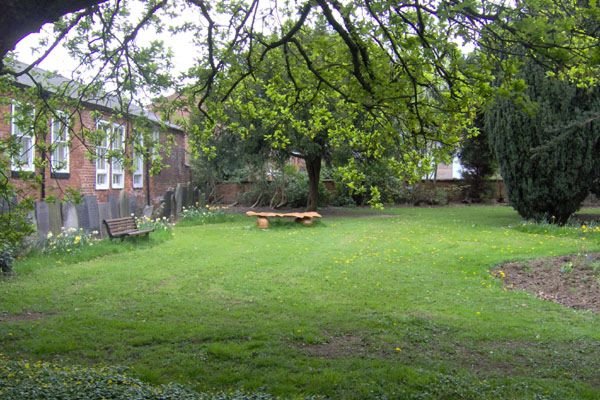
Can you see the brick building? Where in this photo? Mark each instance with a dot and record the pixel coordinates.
(87, 146)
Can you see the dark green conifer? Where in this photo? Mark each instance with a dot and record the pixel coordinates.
(547, 145)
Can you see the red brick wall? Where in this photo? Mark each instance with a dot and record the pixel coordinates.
(175, 170)
(82, 170)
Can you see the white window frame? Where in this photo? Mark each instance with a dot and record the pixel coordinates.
(60, 143)
(117, 171)
(138, 164)
(102, 163)
(16, 164)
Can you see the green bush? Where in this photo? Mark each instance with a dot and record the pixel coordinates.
(295, 191)
(423, 194)
(21, 380)
(6, 259)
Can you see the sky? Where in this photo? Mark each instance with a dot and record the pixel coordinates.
(59, 60)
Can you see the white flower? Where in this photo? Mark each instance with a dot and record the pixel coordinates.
(49, 235)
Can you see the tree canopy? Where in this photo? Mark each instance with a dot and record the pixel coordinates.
(420, 39)
(401, 63)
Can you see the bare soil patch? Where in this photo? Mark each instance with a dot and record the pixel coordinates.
(24, 316)
(336, 347)
(573, 281)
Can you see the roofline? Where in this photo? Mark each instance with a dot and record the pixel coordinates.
(44, 76)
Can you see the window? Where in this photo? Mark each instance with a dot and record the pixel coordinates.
(118, 146)
(138, 164)
(102, 165)
(109, 167)
(22, 130)
(155, 144)
(59, 136)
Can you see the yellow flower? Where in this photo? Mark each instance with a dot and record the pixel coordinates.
(77, 240)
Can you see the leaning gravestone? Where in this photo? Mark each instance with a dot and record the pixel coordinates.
(113, 202)
(123, 204)
(104, 212)
(55, 217)
(147, 211)
(168, 204)
(178, 198)
(69, 216)
(91, 204)
(42, 217)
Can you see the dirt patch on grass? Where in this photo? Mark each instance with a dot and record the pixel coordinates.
(573, 281)
(24, 316)
(337, 347)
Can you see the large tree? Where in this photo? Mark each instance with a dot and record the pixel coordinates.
(399, 61)
(547, 144)
(310, 116)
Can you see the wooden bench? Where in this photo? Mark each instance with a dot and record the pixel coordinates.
(124, 227)
(262, 218)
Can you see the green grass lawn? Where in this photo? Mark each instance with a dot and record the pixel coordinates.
(397, 304)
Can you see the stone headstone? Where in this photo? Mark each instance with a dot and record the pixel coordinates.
(32, 239)
(93, 214)
(133, 208)
(159, 211)
(55, 217)
(168, 201)
(42, 218)
(198, 198)
(147, 211)
(124, 204)
(188, 196)
(178, 198)
(83, 216)
(104, 212)
(113, 202)
(69, 216)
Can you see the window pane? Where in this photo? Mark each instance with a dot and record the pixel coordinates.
(100, 179)
(101, 160)
(117, 166)
(117, 180)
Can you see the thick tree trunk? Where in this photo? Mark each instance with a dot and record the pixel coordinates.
(19, 18)
(313, 168)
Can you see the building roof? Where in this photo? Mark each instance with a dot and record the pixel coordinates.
(58, 84)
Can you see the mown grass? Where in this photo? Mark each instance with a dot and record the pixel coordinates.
(395, 304)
